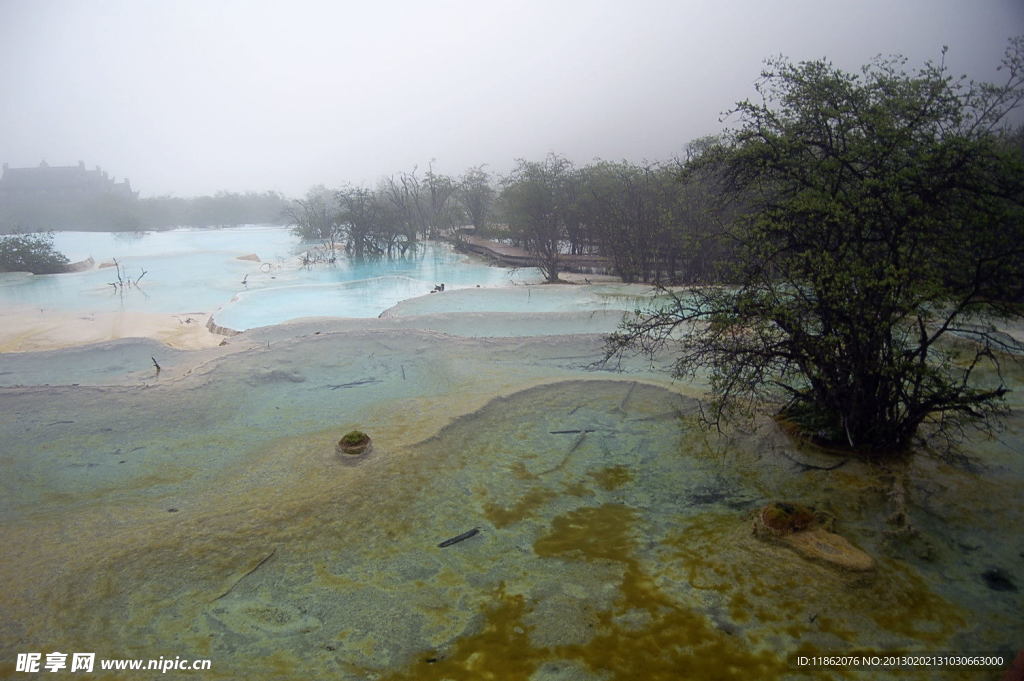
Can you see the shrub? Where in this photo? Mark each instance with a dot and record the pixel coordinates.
(355, 437)
(882, 212)
(30, 253)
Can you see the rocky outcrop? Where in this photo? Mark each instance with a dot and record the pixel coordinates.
(807, 532)
(81, 265)
(820, 544)
(214, 327)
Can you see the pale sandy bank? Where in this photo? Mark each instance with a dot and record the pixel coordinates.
(25, 329)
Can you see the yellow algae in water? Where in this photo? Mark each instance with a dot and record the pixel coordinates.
(904, 603)
(503, 517)
(674, 643)
(284, 665)
(593, 532)
(325, 576)
(577, 489)
(677, 641)
(782, 594)
(501, 650)
(693, 545)
(521, 472)
(612, 477)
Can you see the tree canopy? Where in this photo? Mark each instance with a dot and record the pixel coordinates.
(31, 253)
(536, 203)
(882, 211)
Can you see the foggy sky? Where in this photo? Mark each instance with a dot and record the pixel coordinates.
(190, 97)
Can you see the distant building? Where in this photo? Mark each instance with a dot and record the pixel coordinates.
(60, 183)
(65, 197)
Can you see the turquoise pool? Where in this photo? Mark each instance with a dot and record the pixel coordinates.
(192, 270)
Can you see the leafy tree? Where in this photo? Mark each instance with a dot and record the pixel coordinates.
(476, 195)
(30, 253)
(628, 213)
(700, 247)
(535, 202)
(579, 232)
(883, 212)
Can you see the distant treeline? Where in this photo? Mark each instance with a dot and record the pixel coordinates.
(668, 222)
(649, 223)
(222, 209)
(673, 222)
(119, 213)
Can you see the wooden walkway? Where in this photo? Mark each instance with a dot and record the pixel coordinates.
(513, 256)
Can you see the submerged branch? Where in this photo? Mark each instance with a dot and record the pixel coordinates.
(234, 580)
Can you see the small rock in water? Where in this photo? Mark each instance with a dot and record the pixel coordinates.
(820, 544)
(275, 376)
(807, 532)
(997, 580)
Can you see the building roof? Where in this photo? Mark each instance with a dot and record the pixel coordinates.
(46, 177)
(55, 178)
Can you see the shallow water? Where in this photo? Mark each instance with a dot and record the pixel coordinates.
(528, 299)
(191, 270)
(204, 513)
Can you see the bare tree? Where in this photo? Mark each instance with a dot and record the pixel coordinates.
(315, 218)
(436, 197)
